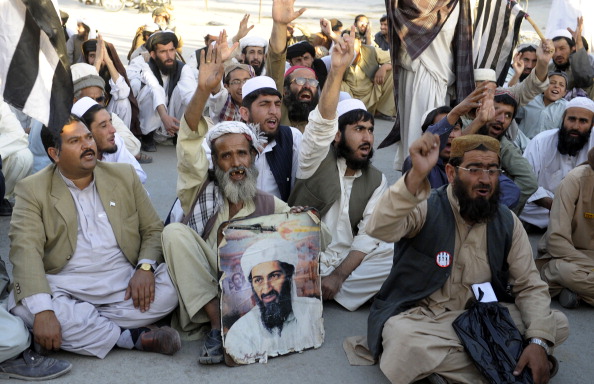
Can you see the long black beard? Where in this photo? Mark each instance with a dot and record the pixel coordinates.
(236, 191)
(258, 70)
(568, 145)
(299, 110)
(165, 70)
(563, 67)
(477, 210)
(352, 162)
(524, 75)
(274, 314)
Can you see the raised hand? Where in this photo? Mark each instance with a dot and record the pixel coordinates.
(577, 34)
(243, 28)
(486, 112)
(518, 63)
(99, 52)
(471, 102)
(211, 67)
(224, 48)
(283, 12)
(343, 51)
(545, 51)
(424, 153)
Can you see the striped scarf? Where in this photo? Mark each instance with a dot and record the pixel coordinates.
(230, 111)
(415, 23)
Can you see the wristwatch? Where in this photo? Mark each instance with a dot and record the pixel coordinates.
(145, 267)
(542, 343)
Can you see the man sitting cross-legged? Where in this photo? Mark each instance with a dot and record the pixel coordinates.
(85, 246)
(207, 201)
(570, 238)
(336, 177)
(448, 240)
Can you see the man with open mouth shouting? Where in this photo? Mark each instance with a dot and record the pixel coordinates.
(336, 177)
(209, 199)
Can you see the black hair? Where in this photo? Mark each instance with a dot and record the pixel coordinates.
(384, 18)
(89, 115)
(528, 48)
(354, 116)
(508, 100)
(433, 114)
(585, 42)
(337, 26)
(51, 138)
(249, 99)
(348, 31)
(358, 17)
(570, 42)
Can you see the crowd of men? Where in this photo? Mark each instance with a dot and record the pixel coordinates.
(275, 124)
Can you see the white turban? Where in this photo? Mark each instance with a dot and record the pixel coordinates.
(581, 102)
(82, 106)
(253, 41)
(226, 127)
(269, 250)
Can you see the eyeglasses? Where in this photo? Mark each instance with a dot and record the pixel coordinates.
(477, 171)
(237, 82)
(302, 81)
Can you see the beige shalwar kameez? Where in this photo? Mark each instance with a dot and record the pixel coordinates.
(570, 237)
(421, 341)
(192, 261)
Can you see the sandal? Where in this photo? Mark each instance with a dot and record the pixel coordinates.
(212, 351)
(143, 158)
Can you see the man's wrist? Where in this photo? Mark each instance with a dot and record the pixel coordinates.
(541, 343)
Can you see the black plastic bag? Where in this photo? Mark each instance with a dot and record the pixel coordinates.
(493, 342)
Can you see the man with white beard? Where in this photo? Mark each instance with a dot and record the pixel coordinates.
(207, 201)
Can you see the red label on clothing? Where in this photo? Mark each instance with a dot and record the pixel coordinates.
(443, 259)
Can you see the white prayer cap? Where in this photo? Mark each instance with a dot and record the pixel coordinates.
(581, 102)
(349, 105)
(253, 41)
(226, 127)
(256, 83)
(561, 33)
(82, 106)
(485, 74)
(344, 96)
(269, 250)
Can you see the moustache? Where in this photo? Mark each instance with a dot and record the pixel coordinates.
(87, 152)
(483, 186)
(272, 293)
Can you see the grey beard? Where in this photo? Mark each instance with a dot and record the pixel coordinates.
(236, 191)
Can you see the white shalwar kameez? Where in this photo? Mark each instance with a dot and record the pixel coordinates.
(368, 277)
(550, 167)
(122, 155)
(424, 84)
(150, 94)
